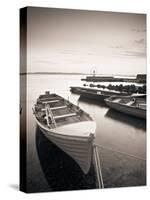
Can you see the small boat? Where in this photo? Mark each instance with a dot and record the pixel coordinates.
(131, 105)
(67, 126)
(95, 94)
(75, 90)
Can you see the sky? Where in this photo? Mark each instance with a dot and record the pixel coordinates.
(61, 40)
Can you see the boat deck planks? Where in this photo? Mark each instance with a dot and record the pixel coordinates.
(62, 111)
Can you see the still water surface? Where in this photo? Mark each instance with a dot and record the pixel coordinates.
(48, 169)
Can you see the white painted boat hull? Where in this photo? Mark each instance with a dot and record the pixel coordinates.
(127, 109)
(79, 145)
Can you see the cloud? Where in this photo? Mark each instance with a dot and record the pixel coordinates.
(139, 30)
(133, 54)
(140, 41)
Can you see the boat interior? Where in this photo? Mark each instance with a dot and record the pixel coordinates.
(130, 101)
(54, 111)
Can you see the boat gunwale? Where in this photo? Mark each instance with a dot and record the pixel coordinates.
(124, 105)
(70, 137)
(89, 92)
(107, 92)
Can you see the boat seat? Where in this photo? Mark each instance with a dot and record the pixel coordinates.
(55, 108)
(142, 105)
(130, 103)
(116, 100)
(51, 101)
(65, 116)
(99, 92)
(48, 98)
(58, 107)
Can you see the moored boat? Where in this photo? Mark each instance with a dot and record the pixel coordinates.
(75, 90)
(131, 105)
(95, 94)
(67, 126)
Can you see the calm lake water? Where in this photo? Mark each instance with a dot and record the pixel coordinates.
(49, 169)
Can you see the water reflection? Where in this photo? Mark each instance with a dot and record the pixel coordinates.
(126, 119)
(92, 101)
(60, 170)
(121, 171)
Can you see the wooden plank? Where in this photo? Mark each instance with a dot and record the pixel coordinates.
(64, 116)
(50, 114)
(116, 100)
(58, 107)
(49, 98)
(129, 103)
(47, 119)
(55, 108)
(52, 101)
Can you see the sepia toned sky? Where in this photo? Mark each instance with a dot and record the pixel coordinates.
(60, 40)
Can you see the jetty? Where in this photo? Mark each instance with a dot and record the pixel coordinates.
(139, 78)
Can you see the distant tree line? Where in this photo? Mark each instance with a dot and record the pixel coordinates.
(122, 88)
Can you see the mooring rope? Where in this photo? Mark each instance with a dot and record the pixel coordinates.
(97, 172)
(124, 153)
(98, 165)
(98, 168)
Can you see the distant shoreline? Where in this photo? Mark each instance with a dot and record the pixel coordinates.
(72, 73)
(52, 73)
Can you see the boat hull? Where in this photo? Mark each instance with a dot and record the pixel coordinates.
(79, 150)
(127, 109)
(67, 126)
(93, 96)
(75, 90)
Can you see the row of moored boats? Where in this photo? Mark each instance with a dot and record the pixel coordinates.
(134, 104)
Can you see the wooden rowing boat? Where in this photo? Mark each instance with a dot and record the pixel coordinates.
(131, 105)
(67, 126)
